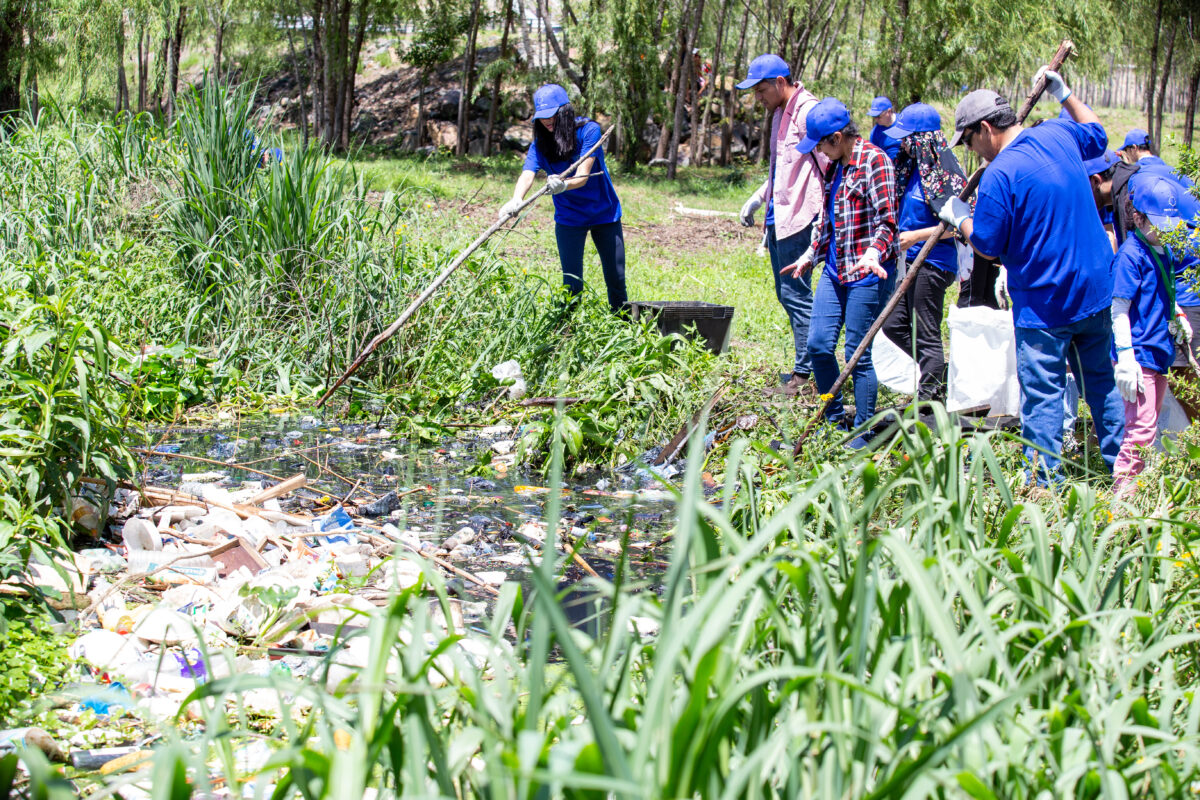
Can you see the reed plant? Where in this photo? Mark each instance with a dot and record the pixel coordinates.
(904, 626)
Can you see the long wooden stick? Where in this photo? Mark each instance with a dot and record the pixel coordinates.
(447, 272)
(1064, 50)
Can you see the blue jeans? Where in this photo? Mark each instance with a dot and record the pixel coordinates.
(1043, 356)
(610, 244)
(794, 294)
(856, 307)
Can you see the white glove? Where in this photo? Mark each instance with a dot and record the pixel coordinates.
(954, 212)
(870, 261)
(1055, 84)
(1002, 297)
(753, 204)
(1129, 376)
(556, 185)
(509, 209)
(1181, 329)
(747, 213)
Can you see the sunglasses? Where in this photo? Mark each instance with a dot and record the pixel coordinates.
(969, 134)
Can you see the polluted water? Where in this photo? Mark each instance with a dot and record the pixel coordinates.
(248, 548)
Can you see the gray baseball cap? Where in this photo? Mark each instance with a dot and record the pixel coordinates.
(978, 105)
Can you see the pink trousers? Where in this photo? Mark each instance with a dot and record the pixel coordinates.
(1141, 426)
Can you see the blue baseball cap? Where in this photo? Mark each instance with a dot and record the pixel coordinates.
(1136, 138)
(1095, 166)
(548, 100)
(1166, 203)
(765, 67)
(879, 105)
(916, 118)
(826, 117)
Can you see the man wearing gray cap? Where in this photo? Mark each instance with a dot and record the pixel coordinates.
(1036, 214)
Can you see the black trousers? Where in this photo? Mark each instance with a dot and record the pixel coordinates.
(921, 309)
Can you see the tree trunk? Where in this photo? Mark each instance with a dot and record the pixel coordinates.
(468, 84)
(901, 22)
(731, 99)
(320, 71)
(1189, 112)
(679, 55)
(530, 56)
(173, 46)
(1153, 76)
(35, 105)
(352, 71)
(176, 47)
(696, 139)
(701, 134)
(12, 42)
(421, 110)
(1156, 131)
(564, 58)
(858, 42)
(122, 81)
(300, 87)
(686, 88)
(219, 45)
(491, 123)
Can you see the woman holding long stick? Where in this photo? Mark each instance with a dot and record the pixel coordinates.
(586, 203)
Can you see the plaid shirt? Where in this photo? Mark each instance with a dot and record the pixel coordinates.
(864, 211)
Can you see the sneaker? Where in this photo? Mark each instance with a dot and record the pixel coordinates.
(797, 384)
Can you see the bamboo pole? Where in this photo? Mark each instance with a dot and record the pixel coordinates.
(447, 272)
(1056, 63)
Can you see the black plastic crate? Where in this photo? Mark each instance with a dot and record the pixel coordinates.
(713, 323)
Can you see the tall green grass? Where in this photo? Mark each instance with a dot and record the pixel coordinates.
(901, 627)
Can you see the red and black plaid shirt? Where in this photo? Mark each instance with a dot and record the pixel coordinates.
(864, 211)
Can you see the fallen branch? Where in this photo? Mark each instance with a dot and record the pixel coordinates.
(278, 490)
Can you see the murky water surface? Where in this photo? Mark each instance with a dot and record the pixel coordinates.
(442, 488)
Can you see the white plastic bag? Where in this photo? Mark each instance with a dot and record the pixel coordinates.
(894, 368)
(983, 360)
(1171, 420)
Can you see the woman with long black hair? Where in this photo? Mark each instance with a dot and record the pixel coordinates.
(927, 176)
(586, 203)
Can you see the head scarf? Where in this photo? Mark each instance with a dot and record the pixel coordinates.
(929, 154)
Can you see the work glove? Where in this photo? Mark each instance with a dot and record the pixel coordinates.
(753, 204)
(801, 265)
(556, 185)
(954, 212)
(1181, 329)
(1130, 382)
(1002, 298)
(509, 209)
(870, 261)
(1055, 85)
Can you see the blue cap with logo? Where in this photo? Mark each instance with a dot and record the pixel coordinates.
(1136, 138)
(916, 118)
(548, 100)
(879, 105)
(826, 117)
(1166, 203)
(1095, 166)
(765, 67)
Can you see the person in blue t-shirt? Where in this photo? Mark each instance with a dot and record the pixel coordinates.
(927, 175)
(1035, 212)
(1147, 322)
(884, 115)
(583, 204)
